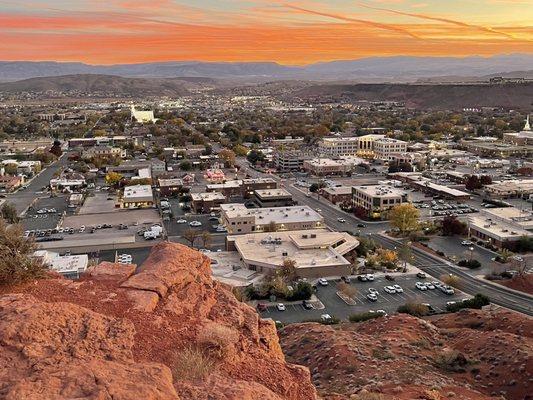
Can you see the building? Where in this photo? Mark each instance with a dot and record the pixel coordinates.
(376, 199)
(214, 176)
(339, 146)
(250, 185)
(239, 219)
(290, 160)
(328, 166)
(501, 227)
(102, 150)
(170, 187)
(228, 188)
(273, 198)
(316, 252)
(66, 183)
(203, 203)
(385, 147)
(9, 183)
(137, 196)
(142, 116)
(524, 137)
(97, 141)
(498, 149)
(337, 194)
(425, 185)
(515, 188)
(68, 266)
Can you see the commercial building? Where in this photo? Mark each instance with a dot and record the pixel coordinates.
(385, 147)
(273, 198)
(68, 266)
(103, 151)
(250, 185)
(142, 116)
(502, 227)
(376, 199)
(337, 194)
(498, 149)
(228, 188)
(515, 188)
(316, 252)
(290, 160)
(362, 146)
(203, 203)
(327, 166)
(425, 185)
(239, 219)
(66, 183)
(137, 196)
(170, 187)
(524, 137)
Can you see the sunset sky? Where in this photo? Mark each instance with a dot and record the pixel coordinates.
(288, 32)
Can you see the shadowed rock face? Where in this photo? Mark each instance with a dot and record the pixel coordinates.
(115, 335)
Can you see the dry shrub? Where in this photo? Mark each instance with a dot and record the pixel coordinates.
(218, 340)
(192, 364)
(452, 361)
(367, 396)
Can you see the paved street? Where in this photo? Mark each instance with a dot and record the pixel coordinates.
(336, 307)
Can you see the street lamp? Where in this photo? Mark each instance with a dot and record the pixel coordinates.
(471, 252)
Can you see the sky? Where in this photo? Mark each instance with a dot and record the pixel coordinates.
(284, 31)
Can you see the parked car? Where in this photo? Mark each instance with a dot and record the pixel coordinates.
(307, 305)
(341, 220)
(261, 306)
(372, 297)
(323, 282)
(372, 290)
(181, 221)
(467, 243)
(389, 277)
(447, 290)
(280, 307)
(389, 289)
(421, 286)
(421, 275)
(195, 223)
(398, 288)
(370, 277)
(430, 286)
(346, 279)
(361, 225)
(362, 278)
(325, 318)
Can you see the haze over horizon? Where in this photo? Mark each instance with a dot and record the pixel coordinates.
(287, 32)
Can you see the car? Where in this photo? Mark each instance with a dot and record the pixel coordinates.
(221, 229)
(261, 306)
(325, 318)
(181, 221)
(467, 243)
(213, 218)
(437, 284)
(421, 286)
(372, 297)
(361, 225)
(447, 290)
(421, 275)
(431, 309)
(318, 210)
(450, 303)
(346, 279)
(398, 288)
(323, 282)
(362, 278)
(382, 312)
(281, 307)
(370, 277)
(430, 286)
(341, 220)
(390, 277)
(307, 305)
(195, 223)
(389, 289)
(82, 229)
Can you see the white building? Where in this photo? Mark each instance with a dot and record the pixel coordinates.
(377, 198)
(137, 196)
(385, 147)
(142, 116)
(68, 266)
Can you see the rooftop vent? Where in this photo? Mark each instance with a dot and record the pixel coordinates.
(313, 235)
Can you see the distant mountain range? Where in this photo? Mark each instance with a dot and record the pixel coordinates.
(373, 69)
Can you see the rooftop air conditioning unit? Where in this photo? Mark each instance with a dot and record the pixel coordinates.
(304, 236)
(313, 235)
(284, 254)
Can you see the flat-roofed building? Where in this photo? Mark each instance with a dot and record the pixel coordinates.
(137, 196)
(514, 188)
(239, 219)
(385, 147)
(103, 151)
(203, 203)
(362, 146)
(250, 185)
(290, 160)
(328, 166)
(316, 252)
(69, 266)
(337, 194)
(376, 199)
(228, 188)
(273, 198)
(170, 186)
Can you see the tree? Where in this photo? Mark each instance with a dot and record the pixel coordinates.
(255, 156)
(400, 167)
(405, 254)
(206, 239)
(451, 280)
(404, 217)
(113, 178)
(387, 258)
(185, 165)
(11, 169)
(227, 156)
(9, 213)
(190, 235)
(451, 226)
(16, 262)
(347, 289)
(240, 150)
(288, 270)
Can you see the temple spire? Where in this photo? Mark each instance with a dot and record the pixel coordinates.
(527, 127)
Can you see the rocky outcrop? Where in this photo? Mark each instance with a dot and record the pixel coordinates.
(471, 355)
(167, 332)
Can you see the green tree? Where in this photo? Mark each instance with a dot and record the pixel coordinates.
(255, 156)
(16, 262)
(227, 156)
(288, 270)
(404, 217)
(113, 178)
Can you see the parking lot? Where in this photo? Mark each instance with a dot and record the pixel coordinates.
(45, 213)
(334, 306)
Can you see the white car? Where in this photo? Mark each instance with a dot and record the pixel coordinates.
(181, 221)
(467, 243)
(382, 312)
(370, 277)
(325, 317)
(342, 220)
(398, 288)
(372, 297)
(195, 223)
(430, 286)
(82, 229)
(323, 282)
(389, 289)
(373, 291)
(280, 307)
(421, 286)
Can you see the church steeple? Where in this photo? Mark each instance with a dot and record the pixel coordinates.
(527, 127)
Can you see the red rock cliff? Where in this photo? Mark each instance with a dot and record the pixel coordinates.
(168, 332)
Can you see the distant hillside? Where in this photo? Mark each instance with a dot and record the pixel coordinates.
(429, 96)
(371, 69)
(100, 84)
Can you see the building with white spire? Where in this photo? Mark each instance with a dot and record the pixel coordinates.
(142, 116)
(524, 137)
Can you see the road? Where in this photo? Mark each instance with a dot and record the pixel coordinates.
(430, 264)
(24, 197)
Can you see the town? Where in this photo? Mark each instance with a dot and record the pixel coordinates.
(362, 211)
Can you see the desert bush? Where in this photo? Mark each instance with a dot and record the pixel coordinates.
(415, 309)
(451, 280)
(364, 316)
(478, 301)
(472, 264)
(192, 364)
(451, 361)
(217, 339)
(368, 396)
